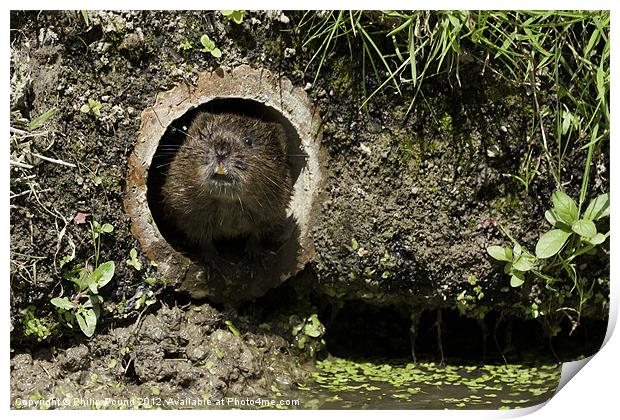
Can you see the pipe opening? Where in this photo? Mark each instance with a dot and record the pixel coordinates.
(231, 249)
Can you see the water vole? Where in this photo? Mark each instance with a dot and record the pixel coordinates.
(230, 178)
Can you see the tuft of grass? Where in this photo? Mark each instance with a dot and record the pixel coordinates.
(402, 50)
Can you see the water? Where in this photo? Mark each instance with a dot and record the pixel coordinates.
(345, 384)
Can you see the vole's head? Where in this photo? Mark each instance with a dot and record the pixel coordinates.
(236, 155)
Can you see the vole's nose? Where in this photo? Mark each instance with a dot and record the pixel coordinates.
(222, 149)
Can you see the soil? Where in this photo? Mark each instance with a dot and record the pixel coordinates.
(172, 355)
(410, 203)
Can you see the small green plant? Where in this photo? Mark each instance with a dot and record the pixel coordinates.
(96, 230)
(308, 333)
(234, 15)
(185, 45)
(34, 326)
(84, 305)
(527, 172)
(133, 260)
(468, 301)
(93, 107)
(144, 299)
(574, 233)
(209, 46)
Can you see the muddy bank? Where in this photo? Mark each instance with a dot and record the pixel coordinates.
(171, 355)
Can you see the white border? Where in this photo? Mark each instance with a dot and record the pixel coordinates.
(593, 394)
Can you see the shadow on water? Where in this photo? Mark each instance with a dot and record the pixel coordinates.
(498, 362)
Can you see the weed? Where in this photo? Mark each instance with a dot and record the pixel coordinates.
(308, 333)
(186, 46)
(96, 230)
(34, 326)
(527, 172)
(92, 107)
(144, 299)
(41, 119)
(84, 305)
(133, 260)
(232, 328)
(209, 46)
(234, 15)
(574, 234)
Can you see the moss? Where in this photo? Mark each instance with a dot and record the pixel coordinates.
(446, 123)
(342, 80)
(507, 204)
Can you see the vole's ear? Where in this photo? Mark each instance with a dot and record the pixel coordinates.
(280, 135)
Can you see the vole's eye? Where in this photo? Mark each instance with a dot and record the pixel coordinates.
(248, 140)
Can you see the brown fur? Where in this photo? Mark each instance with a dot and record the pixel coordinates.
(249, 199)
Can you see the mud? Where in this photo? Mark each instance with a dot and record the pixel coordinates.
(171, 355)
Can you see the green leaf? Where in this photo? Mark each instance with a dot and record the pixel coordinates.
(219, 353)
(85, 17)
(215, 52)
(232, 328)
(63, 303)
(525, 262)
(552, 217)
(517, 279)
(500, 253)
(296, 329)
(301, 343)
(516, 251)
(81, 281)
(566, 120)
(565, 207)
(81, 322)
(107, 228)
(508, 267)
(85, 109)
(41, 119)
(237, 16)
(597, 239)
(66, 259)
(207, 43)
(89, 322)
(92, 284)
(313, 327)
(598, 208)
(551, 243)
(584, 228)
(102, 275)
